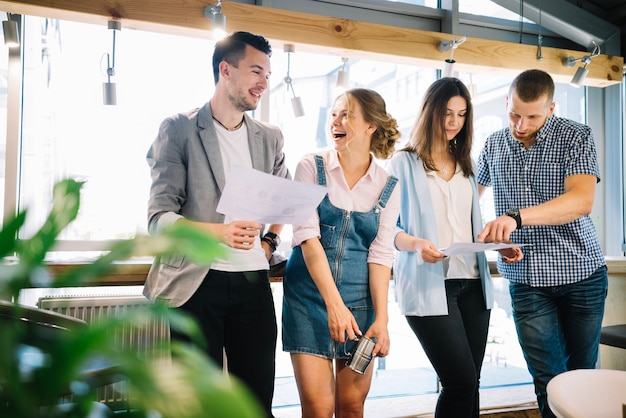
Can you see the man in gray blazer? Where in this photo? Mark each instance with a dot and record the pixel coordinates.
(189, 162)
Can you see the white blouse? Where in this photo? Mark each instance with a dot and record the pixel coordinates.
(452, 202)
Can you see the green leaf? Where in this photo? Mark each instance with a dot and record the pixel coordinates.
(65, 204)
(8, 234)
(198, 245)
(188, 386)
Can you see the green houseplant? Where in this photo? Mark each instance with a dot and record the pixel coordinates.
(38, 371)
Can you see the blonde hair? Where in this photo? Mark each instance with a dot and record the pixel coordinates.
(375, 112)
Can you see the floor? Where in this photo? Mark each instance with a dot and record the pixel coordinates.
(511, 402)
(405, 384)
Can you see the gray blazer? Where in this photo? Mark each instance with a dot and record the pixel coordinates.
(188, 179)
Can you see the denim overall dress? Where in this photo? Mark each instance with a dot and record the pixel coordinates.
(346, 237)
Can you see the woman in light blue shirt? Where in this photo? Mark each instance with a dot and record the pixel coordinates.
(446, 300)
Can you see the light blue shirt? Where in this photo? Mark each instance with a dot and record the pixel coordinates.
(420, 286)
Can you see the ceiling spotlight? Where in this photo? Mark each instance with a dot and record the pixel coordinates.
(342, 75)
(218, 20)
(109, 92)
(581, 72)
(11, 31)
(444, 46)
(296, 102)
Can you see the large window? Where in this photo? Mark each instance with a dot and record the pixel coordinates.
(4, 84)
(67, 131)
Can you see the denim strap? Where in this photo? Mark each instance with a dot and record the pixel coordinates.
(321, 173)
(384, 196)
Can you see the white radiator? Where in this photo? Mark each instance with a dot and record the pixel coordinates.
(92, 308)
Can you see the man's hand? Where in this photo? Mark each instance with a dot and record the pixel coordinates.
(499, 230)
(511, 255)
(240, 234)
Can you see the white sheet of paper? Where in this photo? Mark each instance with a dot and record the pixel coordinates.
(474, 247)
(253, 195)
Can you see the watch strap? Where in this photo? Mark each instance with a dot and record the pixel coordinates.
(270, 235)
(271, 239)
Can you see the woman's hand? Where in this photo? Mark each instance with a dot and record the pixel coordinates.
(428, 251)
(379, 331)
(341, 323)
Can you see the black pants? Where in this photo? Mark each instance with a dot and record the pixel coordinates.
(235, 311)
(455, 345)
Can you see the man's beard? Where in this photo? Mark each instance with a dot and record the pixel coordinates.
(525, 138)
(242, 104)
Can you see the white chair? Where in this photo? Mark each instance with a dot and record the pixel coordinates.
(595, 393)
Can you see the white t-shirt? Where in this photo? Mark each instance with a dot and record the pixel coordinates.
(235, 150)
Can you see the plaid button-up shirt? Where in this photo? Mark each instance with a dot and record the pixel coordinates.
(520, 177)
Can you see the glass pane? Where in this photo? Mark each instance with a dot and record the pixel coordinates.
(427, 3)
(68, 132)
(4, 73)
(487, 8)
(624, 165)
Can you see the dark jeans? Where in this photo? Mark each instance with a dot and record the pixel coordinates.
(558, 328)
(455, 345)
(235, 311)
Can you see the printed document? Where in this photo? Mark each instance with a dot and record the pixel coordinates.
(474, 247)
(253, 195)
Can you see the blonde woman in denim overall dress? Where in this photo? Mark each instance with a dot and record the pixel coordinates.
(337, 278)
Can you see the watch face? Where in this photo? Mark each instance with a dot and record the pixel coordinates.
(514, 213)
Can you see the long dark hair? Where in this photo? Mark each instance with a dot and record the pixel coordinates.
(429, 127)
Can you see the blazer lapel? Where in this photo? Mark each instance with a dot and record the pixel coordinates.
(211, 145)
(256, 144)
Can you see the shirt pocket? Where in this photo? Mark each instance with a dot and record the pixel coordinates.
(548, 181)
(172, 260)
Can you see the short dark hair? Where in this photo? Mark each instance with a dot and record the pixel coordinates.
(530, 85)
(232, 49)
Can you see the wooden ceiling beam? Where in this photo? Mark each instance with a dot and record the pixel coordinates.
(321, 34)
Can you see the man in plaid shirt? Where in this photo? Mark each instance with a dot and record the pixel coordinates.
(544, 170)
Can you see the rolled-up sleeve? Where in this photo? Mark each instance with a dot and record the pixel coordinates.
(382, 249)
(306, 172)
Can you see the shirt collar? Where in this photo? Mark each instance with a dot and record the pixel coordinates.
(332, 163)
(546, 128)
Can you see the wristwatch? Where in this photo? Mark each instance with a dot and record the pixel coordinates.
(514, 213)
(272, 239)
